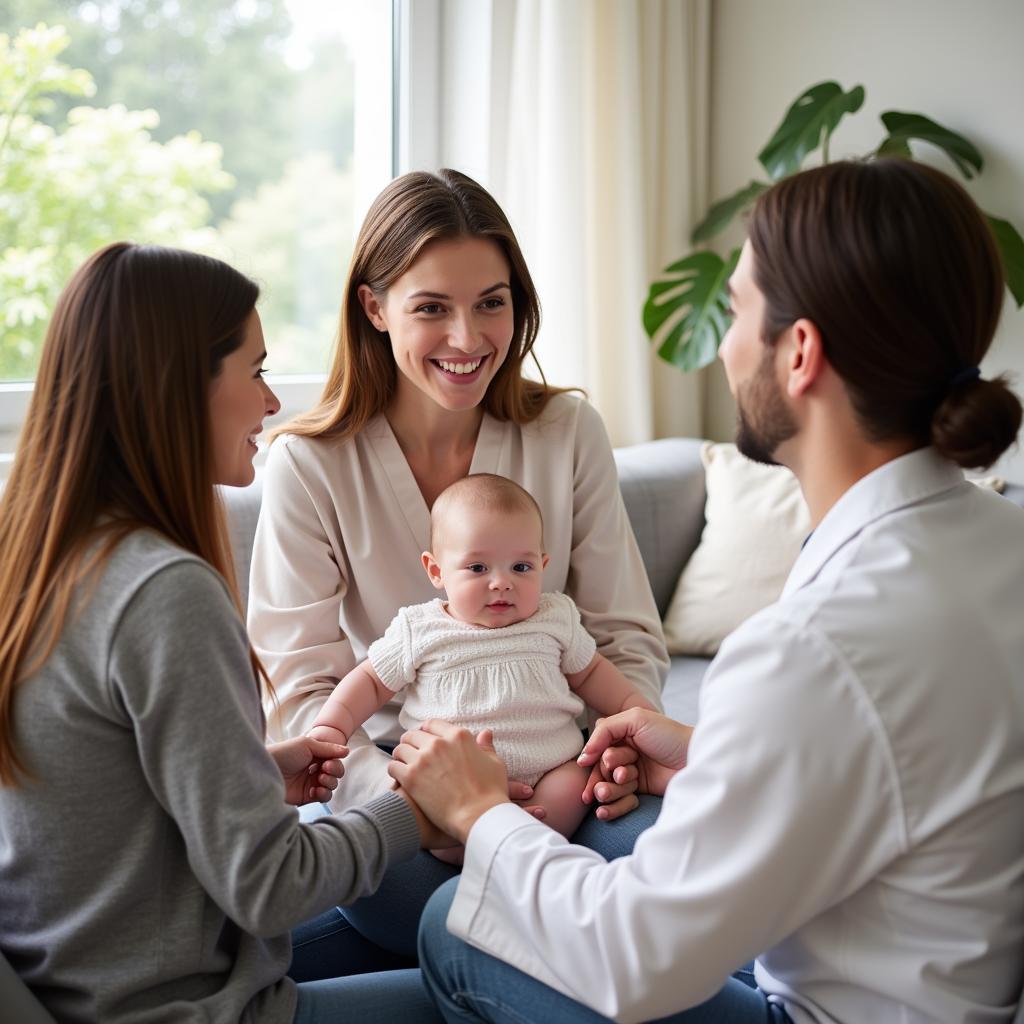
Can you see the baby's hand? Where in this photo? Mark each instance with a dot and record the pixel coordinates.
(327, 734)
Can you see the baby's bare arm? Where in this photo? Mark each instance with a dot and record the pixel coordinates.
(353, 700)
(604, 688)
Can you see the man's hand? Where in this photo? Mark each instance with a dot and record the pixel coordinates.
(613, 783)
(638, 745)
(310, 768)
(451, 775)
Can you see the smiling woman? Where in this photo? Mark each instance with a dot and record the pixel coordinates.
(439, 316)
(449, 318)
(122, 651)
(240, 399)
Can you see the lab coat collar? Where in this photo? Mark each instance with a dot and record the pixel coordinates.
(904, 481)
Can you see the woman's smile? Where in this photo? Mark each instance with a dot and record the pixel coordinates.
(449, 320)
(461, 371)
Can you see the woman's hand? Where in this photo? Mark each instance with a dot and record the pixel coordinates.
(638, 747)
(310, 768)
(451, 775)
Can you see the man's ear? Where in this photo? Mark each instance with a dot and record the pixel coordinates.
(804, 356)
(371, 307)
(433, 570)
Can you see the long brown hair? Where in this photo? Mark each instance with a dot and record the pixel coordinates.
(117, 438)
(897, 267)
(413, 211)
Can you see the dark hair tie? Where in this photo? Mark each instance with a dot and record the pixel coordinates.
(964, 376)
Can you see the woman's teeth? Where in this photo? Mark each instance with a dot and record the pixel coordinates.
(459, 367)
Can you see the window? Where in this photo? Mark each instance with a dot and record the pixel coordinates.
(255, 130)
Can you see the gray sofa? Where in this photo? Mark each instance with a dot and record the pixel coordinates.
(662, 486)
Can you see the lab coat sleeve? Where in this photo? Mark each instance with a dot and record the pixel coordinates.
(790, 802)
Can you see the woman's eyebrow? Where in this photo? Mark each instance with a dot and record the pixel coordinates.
(441, 295)
(495, 287)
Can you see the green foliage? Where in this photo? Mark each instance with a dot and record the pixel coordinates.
(68, 189)
(722, 212)
(692, 295)
(808, 124)
(683, 314)
(214, 66)
(1011, 245)
(904, 127)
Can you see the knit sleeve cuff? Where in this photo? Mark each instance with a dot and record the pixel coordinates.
(398, 825)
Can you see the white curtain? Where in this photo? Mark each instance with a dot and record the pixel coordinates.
(588, 120)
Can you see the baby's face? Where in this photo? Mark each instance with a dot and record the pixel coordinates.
(490, 564)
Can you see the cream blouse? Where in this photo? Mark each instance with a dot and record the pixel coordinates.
(337, 553)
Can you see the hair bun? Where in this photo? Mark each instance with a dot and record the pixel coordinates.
(976, 422)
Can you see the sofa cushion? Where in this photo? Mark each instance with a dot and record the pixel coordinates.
(755, 521)
(662, 484)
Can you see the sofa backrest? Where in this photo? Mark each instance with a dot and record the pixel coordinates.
(662, 485)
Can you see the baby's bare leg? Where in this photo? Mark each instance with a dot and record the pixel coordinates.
(560, 793)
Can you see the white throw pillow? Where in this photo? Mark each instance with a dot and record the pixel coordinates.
(755, 521)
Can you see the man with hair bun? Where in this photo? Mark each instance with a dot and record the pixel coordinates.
(849, 809)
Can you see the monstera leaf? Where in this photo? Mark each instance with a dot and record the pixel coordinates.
(725, 209)
(1011, 248)
(903, 127)
(686, 309)
(808, 124)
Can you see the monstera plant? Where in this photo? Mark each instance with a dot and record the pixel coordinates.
(685, 312)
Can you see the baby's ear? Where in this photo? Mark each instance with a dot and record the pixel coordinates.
(544, 559)
(433, 570)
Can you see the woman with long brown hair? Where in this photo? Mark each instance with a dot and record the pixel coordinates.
(150, 866)
(438, 322)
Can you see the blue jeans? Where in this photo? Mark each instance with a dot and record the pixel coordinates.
(468, 985)
(369, 998)
(390, 917)
(378, 932)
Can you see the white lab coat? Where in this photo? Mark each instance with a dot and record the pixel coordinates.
(853, 808)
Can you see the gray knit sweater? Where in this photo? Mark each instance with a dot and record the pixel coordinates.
(150, 869)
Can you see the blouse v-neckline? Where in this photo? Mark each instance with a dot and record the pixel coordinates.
(408, 496)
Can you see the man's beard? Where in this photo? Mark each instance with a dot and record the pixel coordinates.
(763, 420)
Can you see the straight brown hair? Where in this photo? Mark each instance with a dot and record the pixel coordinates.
(116, 439)
(897, 267)
(413, 211)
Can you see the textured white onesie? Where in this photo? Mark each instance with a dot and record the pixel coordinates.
(510, 679)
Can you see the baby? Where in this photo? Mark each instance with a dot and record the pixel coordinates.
(498, 654)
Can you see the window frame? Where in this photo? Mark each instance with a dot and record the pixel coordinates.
(415, 85)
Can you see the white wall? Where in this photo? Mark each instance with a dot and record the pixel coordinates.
(959, 63)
